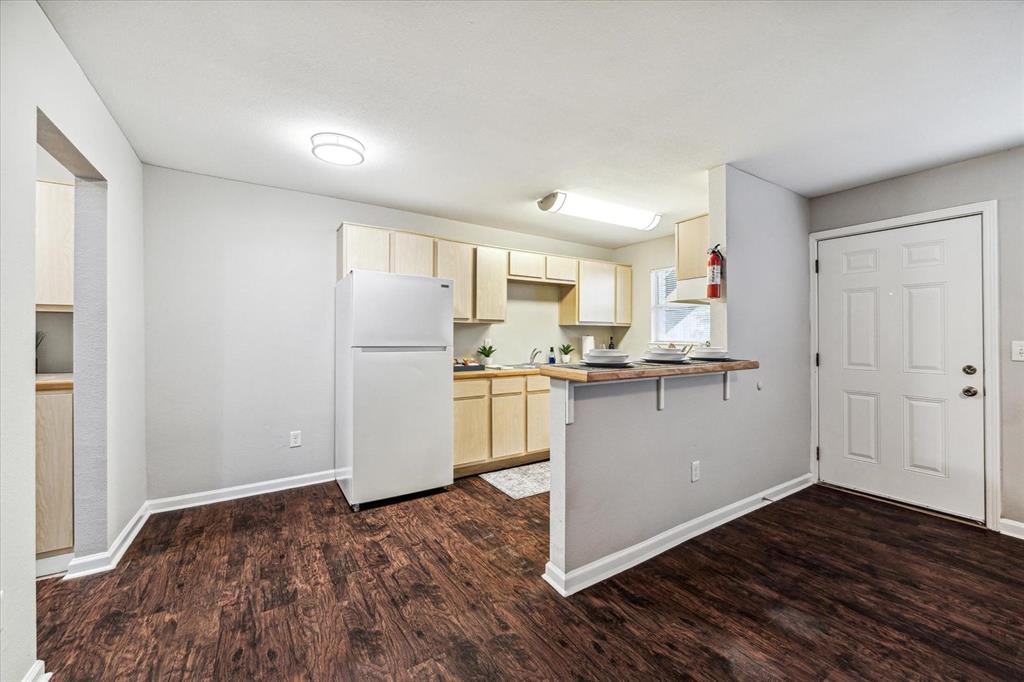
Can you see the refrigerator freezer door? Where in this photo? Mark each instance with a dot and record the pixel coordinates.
(389, 310)
(402, 426)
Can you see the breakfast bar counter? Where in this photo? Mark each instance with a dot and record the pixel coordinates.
(643, 370)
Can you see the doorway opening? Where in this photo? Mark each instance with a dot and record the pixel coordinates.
(71, 352)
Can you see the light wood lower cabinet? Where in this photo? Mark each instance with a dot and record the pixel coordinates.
(54, 473)
(500, 422)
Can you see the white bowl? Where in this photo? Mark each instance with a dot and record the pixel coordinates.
(606, 351)
(665, 351)
(709, 353)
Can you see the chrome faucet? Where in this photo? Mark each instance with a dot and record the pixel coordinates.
(534, 354)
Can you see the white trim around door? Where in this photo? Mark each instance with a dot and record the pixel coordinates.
(990, 295)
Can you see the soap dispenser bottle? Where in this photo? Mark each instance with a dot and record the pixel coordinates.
(551, 355)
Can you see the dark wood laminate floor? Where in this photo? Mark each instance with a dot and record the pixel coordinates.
(292, 585)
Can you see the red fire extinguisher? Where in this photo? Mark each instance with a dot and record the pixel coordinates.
(715, 260)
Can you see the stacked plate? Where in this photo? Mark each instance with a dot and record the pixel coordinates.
(606, 357)
(673, 355)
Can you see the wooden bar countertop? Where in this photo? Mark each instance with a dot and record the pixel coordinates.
(491, 373)
(643, 370)
(55, 382)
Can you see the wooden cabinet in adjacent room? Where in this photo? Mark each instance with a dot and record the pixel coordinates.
(560, 269)
(525, 264)
(508, 417)
(538, 418)
(54, 473)
(55, 246)
(455, 261)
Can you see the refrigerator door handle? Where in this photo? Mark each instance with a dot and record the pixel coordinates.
(401, 349)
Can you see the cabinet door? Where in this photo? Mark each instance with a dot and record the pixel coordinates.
(692, 248)
(623, 294)
(525, 264)
(537, 421)
(472, 429)
(412, 254)
(55, 244)
(454, 261)
(561, 269)
(365, 248)
(54, 472)
(491, 283)
(596, 292)
(508, 425)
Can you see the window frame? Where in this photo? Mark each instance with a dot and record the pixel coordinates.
(657, 308)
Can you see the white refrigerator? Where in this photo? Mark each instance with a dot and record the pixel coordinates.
(393, 385)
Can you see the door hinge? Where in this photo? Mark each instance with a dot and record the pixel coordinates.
(817, 359)
(817, 453)
(815, 266)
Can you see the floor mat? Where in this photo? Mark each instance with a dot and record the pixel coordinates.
(525, 481)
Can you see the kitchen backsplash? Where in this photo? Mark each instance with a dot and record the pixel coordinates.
(530, 322)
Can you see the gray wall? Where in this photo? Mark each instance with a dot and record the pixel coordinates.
(54, 355)
(627, 465)
(240, 324)
(995, 176)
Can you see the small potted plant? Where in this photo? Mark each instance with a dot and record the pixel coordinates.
(566, 350)
(486, 352)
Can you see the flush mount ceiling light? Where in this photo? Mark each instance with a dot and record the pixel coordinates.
(341, 150)
(601, 211)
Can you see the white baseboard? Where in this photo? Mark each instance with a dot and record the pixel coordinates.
(163, 504)
(105, 561)
(36, 673)
(605, 567)
(1015, 529)
(52, 565)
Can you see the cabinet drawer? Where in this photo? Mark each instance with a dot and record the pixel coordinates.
(505, 385)
(538, 383)
(470, 388)
(524, 264)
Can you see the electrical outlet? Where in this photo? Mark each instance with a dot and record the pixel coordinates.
(1017, 351)
(295, 439)
(695, 471)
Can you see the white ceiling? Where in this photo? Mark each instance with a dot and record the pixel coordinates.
(473, 111)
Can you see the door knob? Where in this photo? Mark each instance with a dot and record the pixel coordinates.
(970, 369)
(969, 392)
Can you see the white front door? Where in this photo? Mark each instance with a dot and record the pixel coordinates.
(900, 401)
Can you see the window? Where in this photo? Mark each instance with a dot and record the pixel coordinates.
(677, 322)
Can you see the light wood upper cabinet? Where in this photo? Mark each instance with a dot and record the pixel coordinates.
(491, 283)
(54, 472)
(561, 269)
(412, 254)
(454, 261)
(692, 248)
(623, 294)
(363, 248)
(596, 291)
(55, 245)
(525, 264)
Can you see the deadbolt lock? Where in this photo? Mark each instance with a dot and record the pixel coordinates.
(969, 392)
(970, 369)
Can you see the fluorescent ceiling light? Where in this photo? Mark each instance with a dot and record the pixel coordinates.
(601, 211)
(341, 150)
